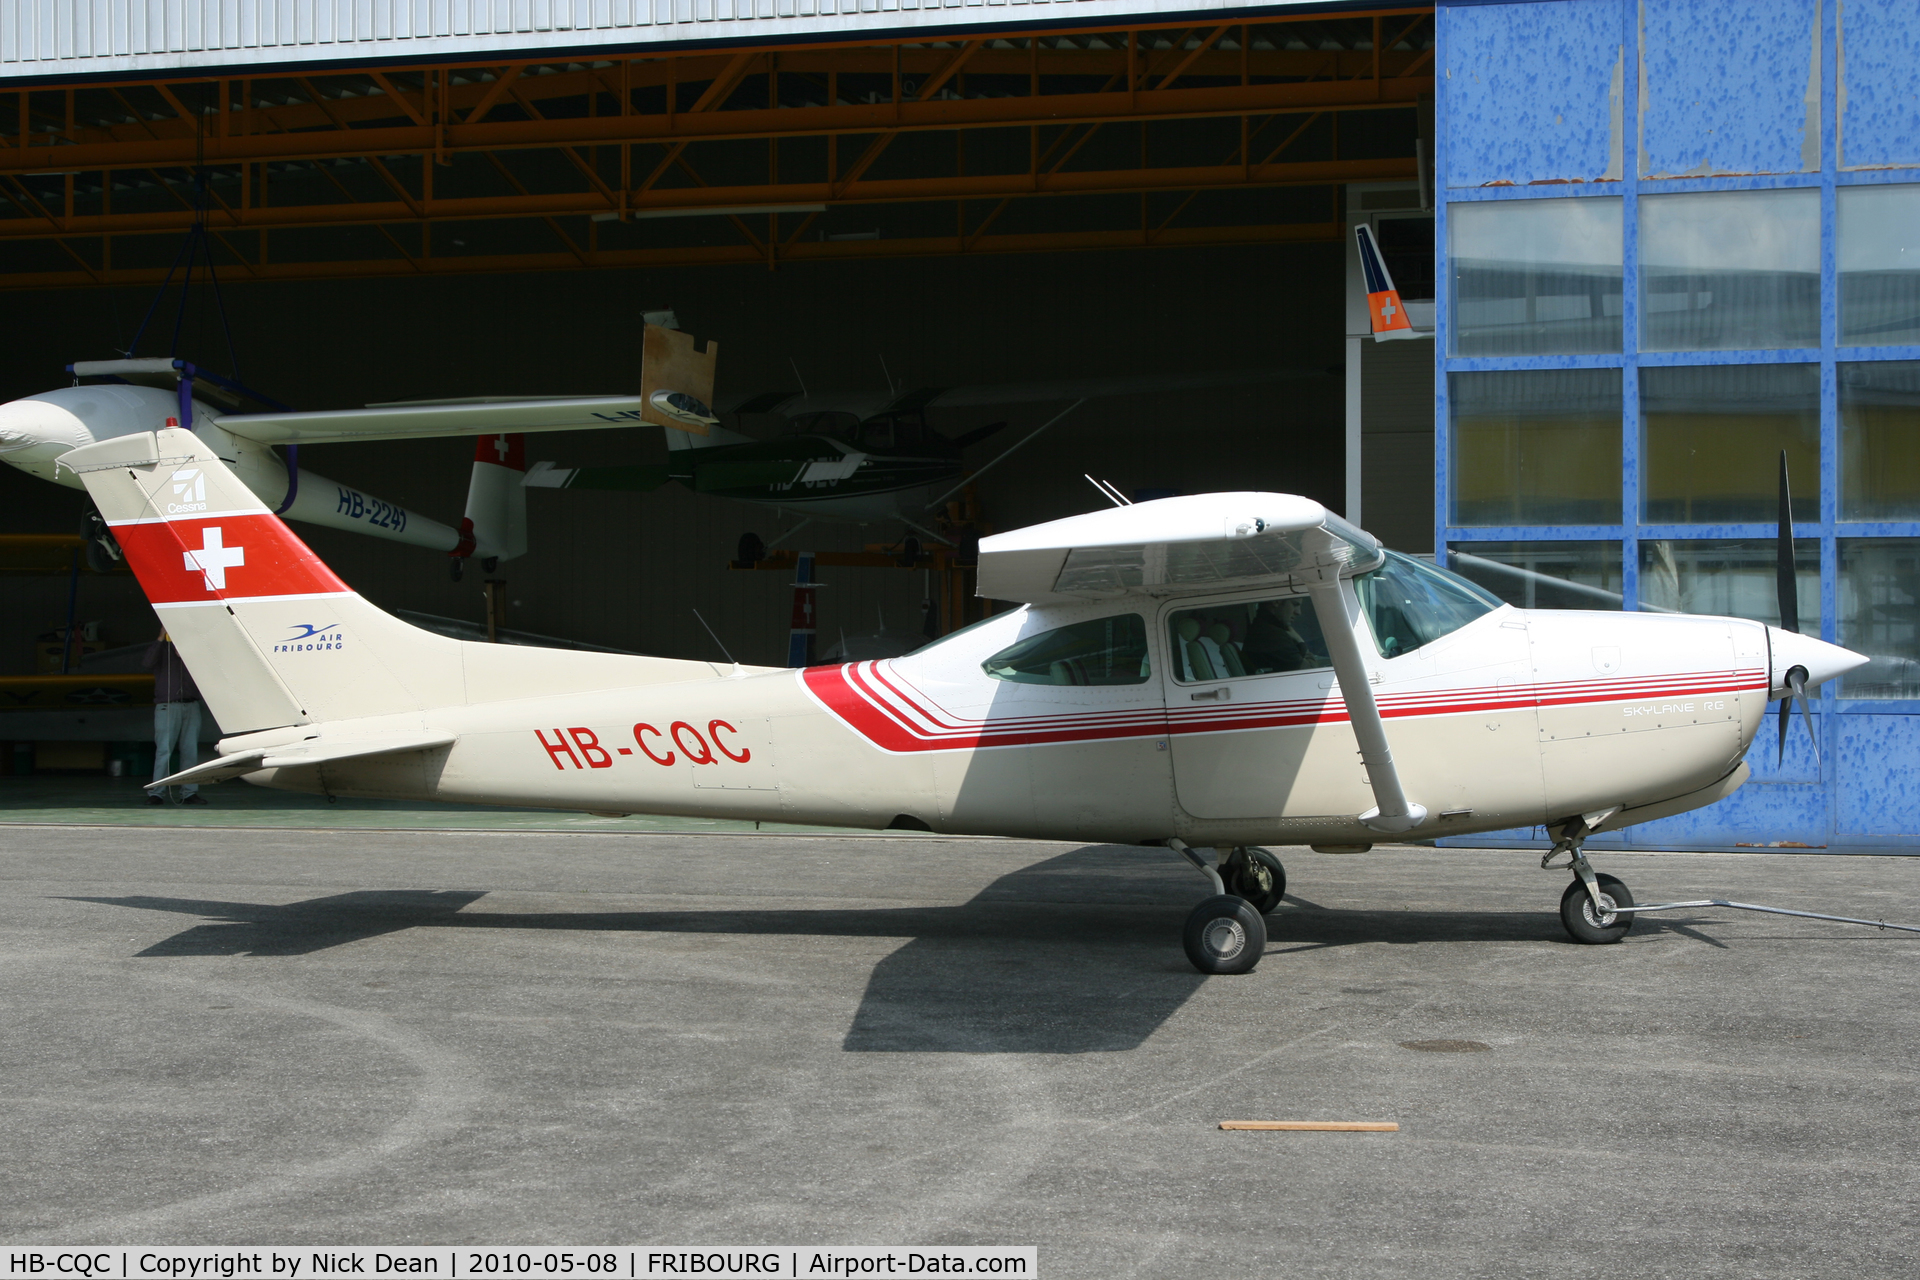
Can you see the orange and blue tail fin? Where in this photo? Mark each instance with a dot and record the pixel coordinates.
(1385, 311)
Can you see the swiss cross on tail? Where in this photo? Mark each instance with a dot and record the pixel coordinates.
(508, 450)
(1388, 313)
(197, 545)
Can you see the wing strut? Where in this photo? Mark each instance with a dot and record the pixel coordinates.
(1337, 606)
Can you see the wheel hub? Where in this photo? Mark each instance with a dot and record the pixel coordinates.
(1599, 919)
(1225, 938)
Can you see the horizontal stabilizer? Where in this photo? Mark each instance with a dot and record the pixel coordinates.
(414, 421)
(637, 479)
(312, 751)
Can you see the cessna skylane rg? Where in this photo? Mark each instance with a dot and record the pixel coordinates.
(114, 398)
(1217, 671)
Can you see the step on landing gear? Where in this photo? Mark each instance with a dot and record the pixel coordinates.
(1589, 907)
(1226, 933)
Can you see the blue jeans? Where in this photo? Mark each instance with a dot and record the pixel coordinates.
(176, 727)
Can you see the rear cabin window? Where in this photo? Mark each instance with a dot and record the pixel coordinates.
(1247, 638)
(1103, 651)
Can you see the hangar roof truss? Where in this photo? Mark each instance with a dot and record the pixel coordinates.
(1133, 136)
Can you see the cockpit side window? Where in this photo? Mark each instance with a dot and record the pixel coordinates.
(1102, 651)
(1411, 604)
(1246, 638)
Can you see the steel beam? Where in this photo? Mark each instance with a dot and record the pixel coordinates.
(722, 255)
(757, 123)
(47, 225)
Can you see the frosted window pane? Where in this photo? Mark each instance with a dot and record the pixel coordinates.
(1730, 270)
(1879, 251)
(1711, 441)
(1880, 440)
(1535, 277)
(1543, 575)
(1535, 447)
(1880, 615)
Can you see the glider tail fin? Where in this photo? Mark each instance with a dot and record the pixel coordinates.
(271, 635)
(496, 519)
(1384, 308)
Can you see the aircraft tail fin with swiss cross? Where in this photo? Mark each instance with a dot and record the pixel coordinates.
(1385, 310)
(272, 636)
(495, 527)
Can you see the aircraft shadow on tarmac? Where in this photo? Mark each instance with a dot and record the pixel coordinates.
(1076, 954)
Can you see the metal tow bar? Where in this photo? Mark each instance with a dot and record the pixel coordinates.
(1772, 911)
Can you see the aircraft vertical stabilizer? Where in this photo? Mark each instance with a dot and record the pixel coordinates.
(496, 516)
(1384, 308)
(242, 597)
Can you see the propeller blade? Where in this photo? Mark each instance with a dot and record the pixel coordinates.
(1784, 582)
(1797, 680)
(1786, 722)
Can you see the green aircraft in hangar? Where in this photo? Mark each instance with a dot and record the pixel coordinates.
(868, 459)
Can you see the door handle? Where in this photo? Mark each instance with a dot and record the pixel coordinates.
(1221, 694)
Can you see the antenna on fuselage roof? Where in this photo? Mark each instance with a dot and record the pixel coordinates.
(889, 373)
(796, 375)
(1107, 491)
(716, 639)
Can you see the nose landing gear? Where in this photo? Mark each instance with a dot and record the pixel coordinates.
(1589, 907)
(1226, 934)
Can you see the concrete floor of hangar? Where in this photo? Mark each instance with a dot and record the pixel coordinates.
(514, 1037)
(98, 800)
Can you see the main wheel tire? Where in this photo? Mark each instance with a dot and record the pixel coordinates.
(1257, 876)
(1225, 935)
(1591, 927)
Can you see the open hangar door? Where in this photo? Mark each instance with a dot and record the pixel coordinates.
(1124, 202)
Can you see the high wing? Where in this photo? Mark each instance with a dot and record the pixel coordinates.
(419, 419)
(789, 403)
(1176, 546)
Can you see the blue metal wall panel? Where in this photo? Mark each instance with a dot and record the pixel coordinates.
(1729, 88)
(1760, 103)
(1879, 109)
(1879, 785)
(1534, 92)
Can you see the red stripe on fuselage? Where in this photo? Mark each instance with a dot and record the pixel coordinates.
(234, 556)
(880, 705)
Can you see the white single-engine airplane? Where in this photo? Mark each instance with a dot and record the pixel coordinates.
(1223, 670)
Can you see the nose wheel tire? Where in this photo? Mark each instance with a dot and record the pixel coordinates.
(1225, 934)
(1596, 927)
(1257, 876)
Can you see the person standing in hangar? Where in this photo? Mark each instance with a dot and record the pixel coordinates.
(176, 718)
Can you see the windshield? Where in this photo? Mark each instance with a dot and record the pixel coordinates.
(828, 422)
(1411, 604)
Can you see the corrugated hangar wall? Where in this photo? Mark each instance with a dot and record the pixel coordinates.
(627, 570)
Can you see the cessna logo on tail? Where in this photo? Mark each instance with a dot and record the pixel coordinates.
(190, 487)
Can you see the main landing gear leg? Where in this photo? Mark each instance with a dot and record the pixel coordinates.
(1225, 934)
(1587, 908)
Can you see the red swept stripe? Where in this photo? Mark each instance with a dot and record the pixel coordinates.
(876, 701)
(250, 555)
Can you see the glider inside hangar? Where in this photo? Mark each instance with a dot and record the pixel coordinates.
(260, 439)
